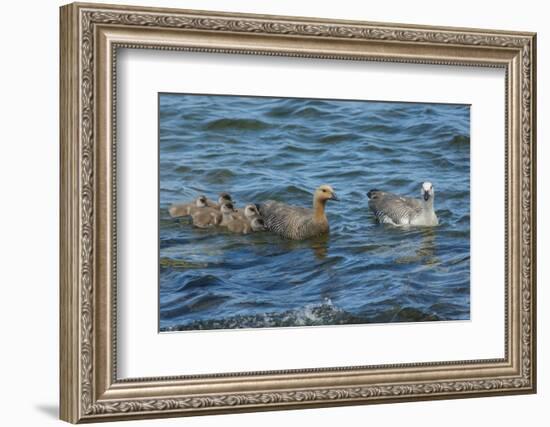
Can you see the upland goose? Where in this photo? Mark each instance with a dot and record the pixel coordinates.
(298, 223)
(393, 209)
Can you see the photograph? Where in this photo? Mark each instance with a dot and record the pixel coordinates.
(294, 212)
(265, 212)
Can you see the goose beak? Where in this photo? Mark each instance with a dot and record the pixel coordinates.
(426, 195)
(334, 197)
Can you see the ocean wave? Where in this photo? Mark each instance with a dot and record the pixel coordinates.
(280, 111)
(379, 128)
(218, 176)
(460, 140)
(419, 128)
(284, 193)
(339, 137)
(294, 148)
(238, 124)
(200, 283)
(183, 169)
(309, 112)
(311, 315)
(200, 303)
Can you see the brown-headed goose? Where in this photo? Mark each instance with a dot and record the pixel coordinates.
(398, 210)
(298, 223)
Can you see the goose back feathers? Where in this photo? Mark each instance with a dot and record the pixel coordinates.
(393, 209)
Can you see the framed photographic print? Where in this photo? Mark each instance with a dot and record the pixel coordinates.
(265, 212)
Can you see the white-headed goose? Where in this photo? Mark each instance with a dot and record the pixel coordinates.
(393, 209)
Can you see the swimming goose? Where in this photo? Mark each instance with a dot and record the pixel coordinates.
(210, 217)
(222, 198)
(297, 223)
(249, 212)
(186, 209)
(245, 220)
(397, 210)
(244, 226)
(257, 224)
(228, 213)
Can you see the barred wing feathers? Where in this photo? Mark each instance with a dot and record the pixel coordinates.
(394, 209)
(291, 222)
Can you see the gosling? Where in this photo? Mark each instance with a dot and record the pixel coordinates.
(222, 199)
(243, 226)
(241, 220)
(249, 212)
(397, 210)
(298, 223)
(210, 217)
(188, 209)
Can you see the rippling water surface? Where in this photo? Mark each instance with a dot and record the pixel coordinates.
(275, 148)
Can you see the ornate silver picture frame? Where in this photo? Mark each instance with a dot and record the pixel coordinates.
(91, 36)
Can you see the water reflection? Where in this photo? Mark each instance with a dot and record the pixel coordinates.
(424, 250)
(318, 245)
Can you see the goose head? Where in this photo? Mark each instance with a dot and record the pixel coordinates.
(224, 198)
(258, 224)
(227, 208)
(201, 202)
(427, 191)
(324, 193)
(251, 211)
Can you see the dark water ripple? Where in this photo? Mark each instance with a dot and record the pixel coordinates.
(267, 148)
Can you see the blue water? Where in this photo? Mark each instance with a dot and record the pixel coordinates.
(275, 148)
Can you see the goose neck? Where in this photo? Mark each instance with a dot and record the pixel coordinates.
(319, 209)
(429, 203)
